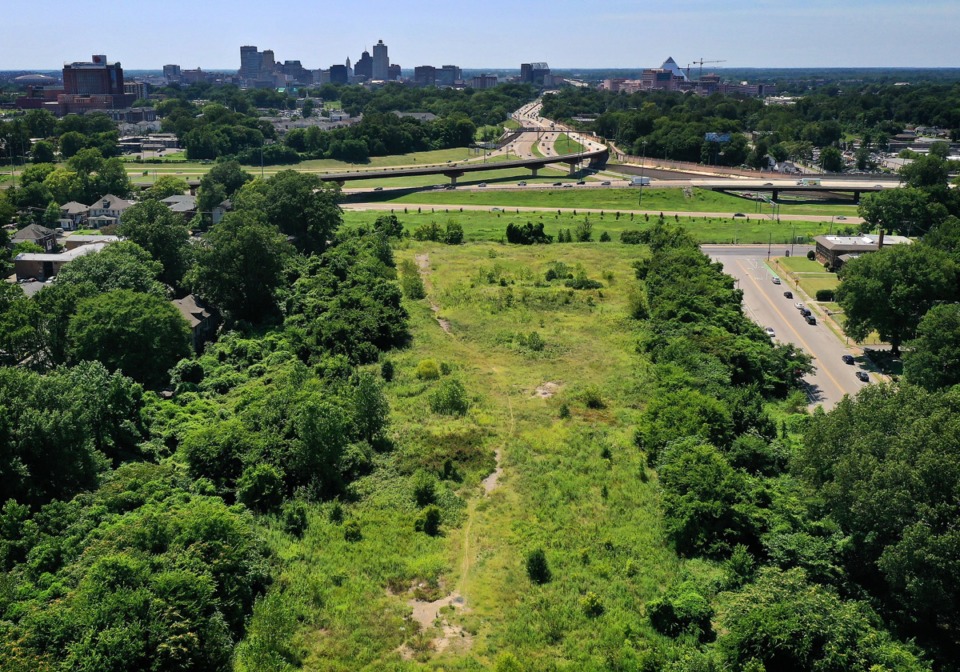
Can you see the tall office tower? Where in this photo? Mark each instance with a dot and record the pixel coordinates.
(349, 69)
(171, 73)
(381, 62)
(267, 64)
(425, 75)
(338, 74)
(448, 75)
(394, 73)
(364, 67)
(250, 60)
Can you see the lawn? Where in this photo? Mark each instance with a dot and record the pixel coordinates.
(800, 265)
(481, 225)
(576, 487)
(667, 200)
(564, 144)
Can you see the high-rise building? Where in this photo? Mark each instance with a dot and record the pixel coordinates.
(94, 78)
(393, 72)
(533, 73)
(171, 73)
(250, 60)
(483, 82)
(425, 75)
(267, 64)
(338, 74)
(349, 69)
(364, 67)
(449, 75)
(381, 61)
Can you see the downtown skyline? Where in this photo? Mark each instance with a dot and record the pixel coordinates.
(498, 34)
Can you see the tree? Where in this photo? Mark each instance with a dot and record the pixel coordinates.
(112, 178)
(890, 290)
(122, 265)
(42, 152)
(926, 172)
(72, 142)
(221, 182)
(303, 207)
(163, 234)
(831, 159)
(166, 186)
(238, 267)
(537, 568)
(905, 211)
(64, 185)
(142, 335)
(933, 358)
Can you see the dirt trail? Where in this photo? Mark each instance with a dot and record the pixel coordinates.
(423, 263)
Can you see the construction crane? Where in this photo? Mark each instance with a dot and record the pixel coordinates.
(701, 62)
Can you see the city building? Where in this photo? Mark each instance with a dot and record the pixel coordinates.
(449, 75)
(171, 73)
(835, 251)
(381, 62)
(364, 67)
(338, 74)
(249, 63)
(44, 266)
(483, 82)
(139, 90)
(393, 72)
(425, 75)
(533, 73)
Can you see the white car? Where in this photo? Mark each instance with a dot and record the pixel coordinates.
(770, 332)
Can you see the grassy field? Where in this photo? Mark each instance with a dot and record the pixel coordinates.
(504, 176)
(566, 145)
(667, 200)
(491, 226)
(575, 487)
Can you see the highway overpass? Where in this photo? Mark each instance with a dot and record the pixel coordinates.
(775, 186)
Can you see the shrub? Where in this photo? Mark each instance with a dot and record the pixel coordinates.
(336, 513)
(590, 396)
(450, 398)
(534, 342)
(584, 231)
(604, 237)
(410, 281)
(351, 531)
(632, 237)
(386, 370)
(428, 521)
(591, 604)
(527, 234)
(825, 294)
(811, 255)
(564, 411)
(427, 369)
(295, 518)
(429, 232)
(537, 568)
(453, 234)
(261, 487)
(685, 611)
(424, 489)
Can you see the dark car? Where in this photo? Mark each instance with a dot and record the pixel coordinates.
(848, 359)
(558, 184)
(810, 319)
(739, 214)
(862, 375)
(378, 188)
(581, 182)
(788, 294)
(804, 311)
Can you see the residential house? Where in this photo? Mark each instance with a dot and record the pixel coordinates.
(45, 266)
(109, 206)
(40, 235)
(203, 320)
(182, 204)
(76, 212)
(221, 210)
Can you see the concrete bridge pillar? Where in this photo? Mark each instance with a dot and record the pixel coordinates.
(453, 176)
(856, 197)
(776, 194)
(533, 170)
(573, 167)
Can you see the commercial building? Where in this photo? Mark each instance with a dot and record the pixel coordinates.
(338, 74)
(835, 251)
(425, 75)
(171, 73)
(93, 85)
(449, 75)
(250, 60)
(364, 67)
(483, 82)
(381, 62)
(533, 73)
(393, 72)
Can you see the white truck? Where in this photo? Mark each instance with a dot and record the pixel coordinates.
(809, 182)
(640, 182)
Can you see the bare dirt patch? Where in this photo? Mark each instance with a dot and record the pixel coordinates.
(423, 263)
(436, 616)
(490, 483)
(547, 390)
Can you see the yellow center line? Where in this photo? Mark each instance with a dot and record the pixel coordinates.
(791, 328)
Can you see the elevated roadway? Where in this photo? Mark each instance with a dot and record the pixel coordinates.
(776, 187)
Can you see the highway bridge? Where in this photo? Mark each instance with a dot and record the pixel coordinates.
(775, 187)
(597, 159)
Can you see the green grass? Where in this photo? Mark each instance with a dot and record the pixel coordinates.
(667, 200)
(491, 226)
(566, 145)
(511, 124)
(597, 518)
(801, 265)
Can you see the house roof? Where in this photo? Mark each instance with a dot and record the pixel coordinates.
(69, 255)
(33, 232)
(85, 239)
(74, 208)
(181, 203)
(192, 311)
(110, 202)
(862, 243)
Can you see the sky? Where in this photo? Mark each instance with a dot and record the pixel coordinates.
(43, 34)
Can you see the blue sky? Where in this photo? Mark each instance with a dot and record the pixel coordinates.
(42, 34)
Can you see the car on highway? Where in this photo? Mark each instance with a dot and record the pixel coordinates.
(775, 280)
(804, 312)
(521, 184)
(840, 218)
(482, 184)
(798, 306)
(567, 185)
(581, 182)
(739, 214)
(605, 183)
(378, 188)
(848, 359)
(768, 184)
(810, 319)
(558, 184)
(788, 294)
(770, 332)
(862, 375)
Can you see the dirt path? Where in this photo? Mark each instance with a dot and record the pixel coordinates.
(423, 263)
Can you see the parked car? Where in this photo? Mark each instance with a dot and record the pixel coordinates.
(848, 359)
(770, 332)
(862, 375)
(788, 294)
(810, 319)
(840, 218)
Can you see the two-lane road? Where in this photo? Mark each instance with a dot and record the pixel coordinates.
(766, 305)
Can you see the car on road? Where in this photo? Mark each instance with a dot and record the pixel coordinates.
(848, 359)
(739, 214)
(841, 218)
(521, 184)
(810, 319)
(378, 188)
(862, 375)
(558, 184)
(804, 312)
(567, 185)
(482, 184)
(768, 184)
(581, 182)
(775, 280)
(605, 183)
(788, 294)
(798, 306)
(770, 332)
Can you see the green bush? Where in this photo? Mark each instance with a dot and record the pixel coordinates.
(424, 489)
(427, 369)
(410, 281)
(811, 255)
(604, 237)
(591, 398)
(825, 294)
(261, 487)
(685, 610)
(386, 370)
(295, 518)
(537, 568)
(591, 605)
(351, 531)
(584, 231)
(428, 521)
(450, 398)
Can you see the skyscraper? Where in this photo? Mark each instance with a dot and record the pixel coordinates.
(250, 61)
(381, 62)
(364, 67)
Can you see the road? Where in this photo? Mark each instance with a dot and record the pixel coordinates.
(764, 303)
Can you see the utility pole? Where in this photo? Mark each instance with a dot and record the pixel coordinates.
(643, 161)
(769, 244)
